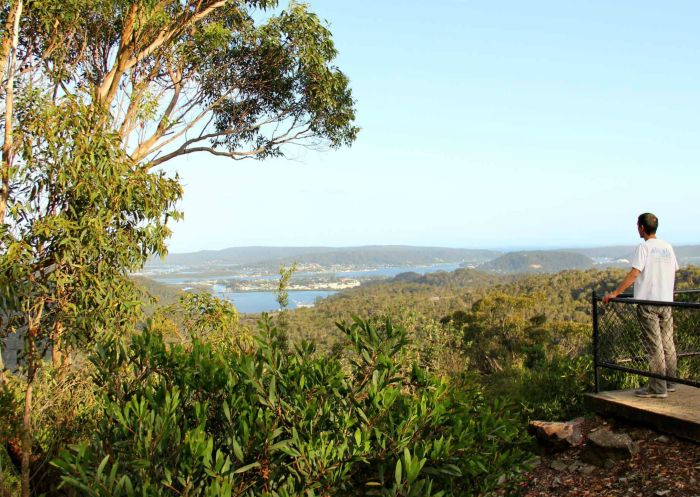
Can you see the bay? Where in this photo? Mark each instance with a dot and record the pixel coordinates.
(255, 302)
(390, 272)
(262, 301)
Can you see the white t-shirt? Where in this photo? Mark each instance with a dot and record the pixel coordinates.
(657, 262)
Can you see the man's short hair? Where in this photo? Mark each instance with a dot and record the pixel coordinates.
(649, 222)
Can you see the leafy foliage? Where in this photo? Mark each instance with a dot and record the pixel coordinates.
(523, 338)
(245, 80)
(282, 295)
(552, 389)
(95, 95)
(203, 317)
(82, 215)
(269, 422)
(64, 412)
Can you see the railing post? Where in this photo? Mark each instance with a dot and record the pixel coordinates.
(596, 369)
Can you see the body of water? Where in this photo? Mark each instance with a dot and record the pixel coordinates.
(254, 302)
(390, 272)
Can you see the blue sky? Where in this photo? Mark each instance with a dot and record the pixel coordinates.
(502, 124)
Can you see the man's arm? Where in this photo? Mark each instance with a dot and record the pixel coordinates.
(629, 279)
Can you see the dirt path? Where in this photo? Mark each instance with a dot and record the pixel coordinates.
(665, 466)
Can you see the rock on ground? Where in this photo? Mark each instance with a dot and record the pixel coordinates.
(557, 436)
(604, 447)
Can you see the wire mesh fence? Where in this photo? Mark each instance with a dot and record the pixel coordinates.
(648, 339)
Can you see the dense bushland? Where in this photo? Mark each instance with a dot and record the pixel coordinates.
(433, 400)
(223, 410)
(201, 419)
(526, 338)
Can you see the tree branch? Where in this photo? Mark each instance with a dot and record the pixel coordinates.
(107, 89)
(211, 150)
(183, 150)
(144, 148)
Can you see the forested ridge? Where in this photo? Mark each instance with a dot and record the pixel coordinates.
(562, 296)
(537, 261)
(379, 255)
(552, 261)
(509, 332)
(507, 348)
(389, 370)
(498, 330)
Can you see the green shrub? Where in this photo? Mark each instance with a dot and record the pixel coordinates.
(64, 413)
(552, 390)
(10, 409)
(270, 422)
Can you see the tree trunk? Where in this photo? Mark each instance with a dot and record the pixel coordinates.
(59, 357)
(27, 432)
(7, 150)
(33, 324)
(3, 492)
(8, 49)
(15, 9)
(56, 354)
(3, 379)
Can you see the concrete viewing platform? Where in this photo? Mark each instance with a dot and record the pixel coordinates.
(678, 414)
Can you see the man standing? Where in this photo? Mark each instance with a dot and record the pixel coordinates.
(653, 273)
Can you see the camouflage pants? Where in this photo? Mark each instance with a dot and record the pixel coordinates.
(657, 335)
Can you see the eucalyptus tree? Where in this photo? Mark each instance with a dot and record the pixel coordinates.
(96, 95)
(186, 76)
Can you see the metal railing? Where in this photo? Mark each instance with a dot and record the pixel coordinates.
(619, 343)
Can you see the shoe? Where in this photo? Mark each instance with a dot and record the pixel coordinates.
(648, 394)
(671, 387)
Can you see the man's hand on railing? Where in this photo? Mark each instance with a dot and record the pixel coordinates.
(626, 283)
(609, 296)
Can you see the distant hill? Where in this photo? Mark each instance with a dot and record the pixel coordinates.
(236, 255)
(459, 278)
(403, 255)
(614, 252)
(394, 256)
(688, 254)
(165, 294)
(537, 261)
(369, 255)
